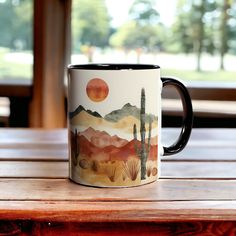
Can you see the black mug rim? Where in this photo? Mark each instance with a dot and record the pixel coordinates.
(111, 66)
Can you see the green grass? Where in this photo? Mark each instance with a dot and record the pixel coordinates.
(13, 69)
(225, 76)
(20, 70)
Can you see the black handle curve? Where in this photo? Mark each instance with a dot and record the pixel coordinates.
(187, 116)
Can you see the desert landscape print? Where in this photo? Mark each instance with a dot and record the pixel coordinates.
(116, 149)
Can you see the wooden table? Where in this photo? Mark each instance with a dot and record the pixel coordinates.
(196, 194)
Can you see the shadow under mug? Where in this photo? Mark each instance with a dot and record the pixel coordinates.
(114, 123)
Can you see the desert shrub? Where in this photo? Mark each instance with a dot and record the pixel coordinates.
(123, 176)
(84, 164)
(131, 168)
(95, 166)
(111, 172)
(154, 171)
(149, 170)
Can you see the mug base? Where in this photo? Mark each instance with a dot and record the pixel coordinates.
(143, 182)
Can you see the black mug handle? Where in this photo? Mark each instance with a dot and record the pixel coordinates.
(187, 117)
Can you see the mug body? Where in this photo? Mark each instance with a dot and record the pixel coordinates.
(114, 124)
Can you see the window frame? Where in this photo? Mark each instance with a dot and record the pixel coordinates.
(46, 94)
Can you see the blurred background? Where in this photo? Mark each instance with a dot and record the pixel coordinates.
(190, 36)
(191, 39)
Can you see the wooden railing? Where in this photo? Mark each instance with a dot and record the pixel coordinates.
(216, 107)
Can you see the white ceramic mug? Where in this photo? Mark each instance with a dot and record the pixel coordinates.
(115, 123)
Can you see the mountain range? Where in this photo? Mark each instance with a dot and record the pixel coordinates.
(102, 139)
(109, 147)
(116, 115)
(81, 108)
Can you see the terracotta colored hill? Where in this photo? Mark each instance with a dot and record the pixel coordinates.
(86, 148)
(125, 152)
(129, 150)
(102, 139)
(111, 152)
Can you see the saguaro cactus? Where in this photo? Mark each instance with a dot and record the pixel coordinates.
(144, 149)
(75, 147)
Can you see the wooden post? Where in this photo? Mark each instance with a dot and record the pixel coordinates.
(51, 39)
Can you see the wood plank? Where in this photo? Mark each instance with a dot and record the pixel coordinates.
(34, 146)
(205, 91)
(162, 190)
(201, 108)
(27, 227)
(198, 169)
(37, 136)
(33, 169)
(20, 87)
(204, 144)
(59, 152)
(55, 169)
(55, 153)
(75, 211)
(204, 154)
(201, 136)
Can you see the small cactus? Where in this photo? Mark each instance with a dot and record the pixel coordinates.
(74, 147)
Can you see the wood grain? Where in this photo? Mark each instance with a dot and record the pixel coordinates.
(59, 151)
(206, 91)
(196, 169)
(205, 153)
(51, 19)
(32, 136)
(108, 211)
(50, 166)
(162, 190)
(42, 153)
(20, 87)
(198, 137)
(34, 169)
(117, 228)
(198, 188)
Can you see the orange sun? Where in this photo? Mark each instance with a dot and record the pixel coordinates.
(97, 90)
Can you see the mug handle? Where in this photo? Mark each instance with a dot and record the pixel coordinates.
(187, 117)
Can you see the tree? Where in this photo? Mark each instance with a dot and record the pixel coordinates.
(24, 24)
(16, 24)
(131, 36)
(144, 12)
(181, 28)
(90, 24)
(198, 11)
(231, 28)
(194, 27)
(224, 30)
(142, 32)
